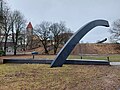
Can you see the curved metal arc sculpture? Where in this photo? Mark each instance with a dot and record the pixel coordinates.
(72, 42)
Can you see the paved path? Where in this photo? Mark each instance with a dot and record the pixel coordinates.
(114, 63)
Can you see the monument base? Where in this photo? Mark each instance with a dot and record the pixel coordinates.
(68, 61)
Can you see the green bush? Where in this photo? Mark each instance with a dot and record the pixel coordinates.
(2, 53)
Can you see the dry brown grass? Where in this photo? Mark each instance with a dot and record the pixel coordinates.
(68, 77)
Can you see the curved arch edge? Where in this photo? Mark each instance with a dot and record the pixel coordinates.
(72, 42)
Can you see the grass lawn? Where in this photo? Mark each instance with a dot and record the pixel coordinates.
(68, 77)
(112, 58)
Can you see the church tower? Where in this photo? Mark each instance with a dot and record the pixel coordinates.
(29, 32)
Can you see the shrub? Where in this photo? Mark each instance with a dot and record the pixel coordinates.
(2, 52)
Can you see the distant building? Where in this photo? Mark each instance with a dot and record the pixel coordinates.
(32, 40)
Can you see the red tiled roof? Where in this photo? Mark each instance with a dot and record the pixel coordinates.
(30, 25)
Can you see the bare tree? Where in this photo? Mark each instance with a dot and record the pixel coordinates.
(11, 22)
(43, 33)
(58, 30)
(115, 31)
(66, 35)
(6, 25)
(1, 14)
(18, 24)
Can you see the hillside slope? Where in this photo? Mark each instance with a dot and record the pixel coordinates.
(96, 49)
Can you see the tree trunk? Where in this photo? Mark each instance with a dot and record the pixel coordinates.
(46, 51)
(56, 45)
(55, 49)
(15, 49)
(45, 47)
(15, 45)
(5, 44)
(5, 49)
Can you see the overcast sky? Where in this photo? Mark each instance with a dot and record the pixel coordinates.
(75, 13)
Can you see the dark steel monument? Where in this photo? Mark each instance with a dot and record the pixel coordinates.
(72, 42)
